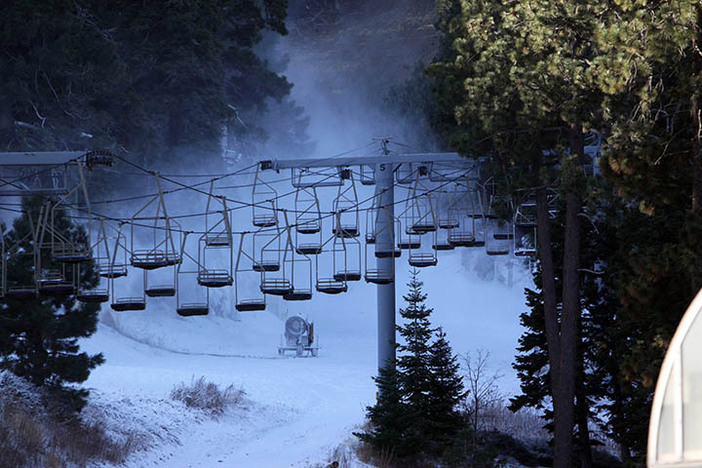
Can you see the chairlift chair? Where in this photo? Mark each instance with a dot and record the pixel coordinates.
(346, 263)
(217, 276)
(279, 283)
(376, 275)
(422, 212)
(125, 303)
(308, 222)
(218, 229)
(496, 245)
(162, 288)
(524, 241)
(327, 284)
(267, 249)
(264, 201)
(55, 283)
(308, 215)
(300, 267)
(244, 269)
(163, 250)
(112, 263)
(385, 235)
(190, 266)
(93, 296)
(525, 214)
(345, 208)
(64, 249)
(425, 256)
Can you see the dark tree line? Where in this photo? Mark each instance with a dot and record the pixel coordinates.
(164, 82)
(528, 85)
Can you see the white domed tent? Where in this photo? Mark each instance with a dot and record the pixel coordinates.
(675, 430)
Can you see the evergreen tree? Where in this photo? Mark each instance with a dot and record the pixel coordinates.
(63, 80)
(444, 421)
(415, 414)
(388, 417)
(39, 336)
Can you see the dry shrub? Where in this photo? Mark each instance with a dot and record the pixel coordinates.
(207, 396)
(32, 435)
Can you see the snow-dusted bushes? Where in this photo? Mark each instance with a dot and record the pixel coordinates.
(31, 433)
(207, 396)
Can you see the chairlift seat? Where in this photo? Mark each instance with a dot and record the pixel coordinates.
(503, 236)
(298, 295)
(218, 240)
(525, 252)
(497, 251)
(525, 224)
(71, 253)
(406, 245)
(172, 258)
(347, 231)
(160, 291)
(309, 249)
(149, 259)
(214, 278)
(448, 223)
(443, 246)
(93, 296)
(193, 309)
(423, 227)
(388, 253)
(55, 287)
(128, 303)
(264, 221)
(310, 226)
(266, 265)
(422, 260)
(347, 275)
(112, 271)
(331, 286)
(21, 292)
(461, 239)
(276, 287)
(378, 277)
(251, 305)
(98, 158)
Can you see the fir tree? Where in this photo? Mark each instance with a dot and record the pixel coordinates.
(413, 363)
(388, 417)
(444, 421)
(416, 412)
(39, 337)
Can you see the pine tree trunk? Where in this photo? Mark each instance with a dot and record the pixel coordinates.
(582, 411)
(565, 393)
(562, 439)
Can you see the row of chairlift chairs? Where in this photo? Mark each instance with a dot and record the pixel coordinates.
(286, 256)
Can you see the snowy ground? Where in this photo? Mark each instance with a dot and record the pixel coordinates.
(297, 410)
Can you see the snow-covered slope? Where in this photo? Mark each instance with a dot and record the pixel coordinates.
(297, 410)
